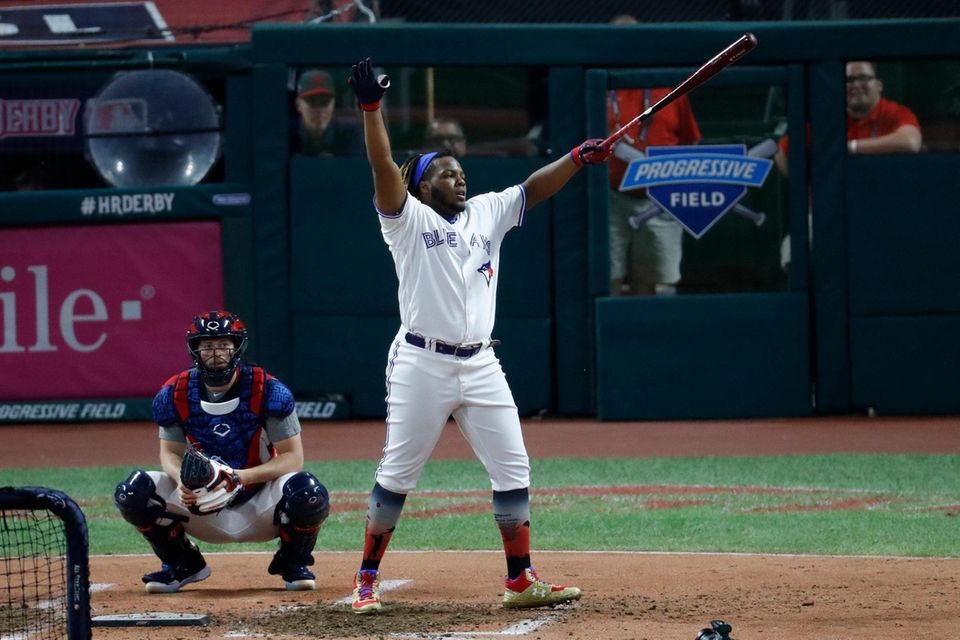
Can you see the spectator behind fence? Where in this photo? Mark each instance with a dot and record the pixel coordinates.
(644, 261)
(319, 132)
(445, 133)
(875, 125)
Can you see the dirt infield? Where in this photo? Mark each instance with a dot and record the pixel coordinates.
(626, 595)
(638, 596)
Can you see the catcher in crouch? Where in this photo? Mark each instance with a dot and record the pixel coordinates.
(232, 463)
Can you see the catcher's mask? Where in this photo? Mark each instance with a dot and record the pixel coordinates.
(217, 324)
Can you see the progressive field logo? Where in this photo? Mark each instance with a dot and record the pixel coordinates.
(697, 185)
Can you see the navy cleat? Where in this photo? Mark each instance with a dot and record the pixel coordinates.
(192, 568)
(299, 579)
(295, 577)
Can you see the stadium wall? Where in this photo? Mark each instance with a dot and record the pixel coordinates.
(864, 320)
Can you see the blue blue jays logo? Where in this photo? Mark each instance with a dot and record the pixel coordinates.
(487, 270)
(698, 184)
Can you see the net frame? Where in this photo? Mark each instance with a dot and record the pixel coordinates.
(44, 565)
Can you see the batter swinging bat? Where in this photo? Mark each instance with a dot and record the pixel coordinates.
(736, 50)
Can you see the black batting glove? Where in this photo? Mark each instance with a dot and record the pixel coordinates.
(369, 89)
(590, 151)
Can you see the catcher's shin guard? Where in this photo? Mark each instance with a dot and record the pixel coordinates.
(137, 500)
(170, 543)
(305, 501)
(301, 512)
(182, 561)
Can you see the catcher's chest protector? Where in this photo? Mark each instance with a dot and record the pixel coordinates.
(234, 437)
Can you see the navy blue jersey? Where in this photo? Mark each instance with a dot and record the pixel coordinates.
(238, 437)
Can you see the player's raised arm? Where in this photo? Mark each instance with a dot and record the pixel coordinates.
(546, 181)
(388, 190)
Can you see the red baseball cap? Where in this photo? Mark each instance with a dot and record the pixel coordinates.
(315, 83)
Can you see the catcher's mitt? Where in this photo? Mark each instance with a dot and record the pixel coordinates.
(202, 475)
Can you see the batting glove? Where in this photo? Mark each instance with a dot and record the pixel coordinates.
(369, 88)
(590, 152)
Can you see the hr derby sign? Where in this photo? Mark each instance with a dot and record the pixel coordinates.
(697, 185)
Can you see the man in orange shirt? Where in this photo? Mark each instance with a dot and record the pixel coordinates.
(644, 261)
(875, 125)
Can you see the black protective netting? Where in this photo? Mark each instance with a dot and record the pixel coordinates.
(33, 575)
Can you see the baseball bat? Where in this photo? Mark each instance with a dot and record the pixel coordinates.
(733, 52)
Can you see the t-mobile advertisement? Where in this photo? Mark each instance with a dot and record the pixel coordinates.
(101, 311)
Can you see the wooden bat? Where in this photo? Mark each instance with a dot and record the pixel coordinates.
(734, 51)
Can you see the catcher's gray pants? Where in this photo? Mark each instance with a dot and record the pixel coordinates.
(252, 521)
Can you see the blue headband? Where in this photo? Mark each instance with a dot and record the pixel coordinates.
(422, 165)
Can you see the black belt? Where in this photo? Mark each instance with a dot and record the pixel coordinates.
(460, 351)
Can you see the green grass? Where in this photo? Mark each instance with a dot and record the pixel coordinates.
(830, 504)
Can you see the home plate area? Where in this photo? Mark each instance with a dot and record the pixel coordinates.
(629, 596)
(449, 595)
(401, 619)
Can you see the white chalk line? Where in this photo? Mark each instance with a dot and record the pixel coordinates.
(521, 628)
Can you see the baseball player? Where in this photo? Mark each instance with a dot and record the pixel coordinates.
(232, 464)
(446, 249)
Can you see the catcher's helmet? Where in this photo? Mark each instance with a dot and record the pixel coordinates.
(217, 324)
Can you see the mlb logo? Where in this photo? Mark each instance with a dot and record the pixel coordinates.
(128, 115)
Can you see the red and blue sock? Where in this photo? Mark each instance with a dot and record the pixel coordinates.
(511, 510)
(383, 513)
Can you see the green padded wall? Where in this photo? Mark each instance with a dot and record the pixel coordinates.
(828, 131)
(903, 236)
(906, 364)
(698, 356)
(903, 273)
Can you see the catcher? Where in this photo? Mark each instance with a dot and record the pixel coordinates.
(232, 464)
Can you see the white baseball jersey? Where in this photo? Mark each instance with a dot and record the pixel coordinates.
(448, 270)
